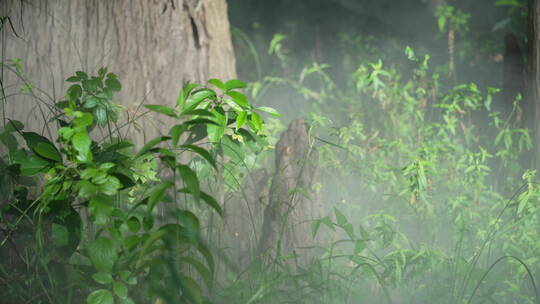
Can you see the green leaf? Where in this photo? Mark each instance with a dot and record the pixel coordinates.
(257, 121)
(60, 235)
(102, 277)
(13, 126)
(269, 110)
(217, 83)
(196, 98)
(233, 105)
(48, 151)
(74, 92)
(359, 246)
(102, 72)
(149, 145)
(120, 289)
(315, 225)
(241, 119)
(73, 79)
(191, 181)
(184, 94)
(176, 131)
(101, 115)
(202, 152)
(234, 84)
(113, 84)
(201, 269)
(162, 109)
(33, 139)
(100, 207)
(82, 75)
(239, 98)
(100, 296)
(81, 142)
(30, 164)
(157, 194)
(210, 201)
(102, 253)
(340, 218)
(133, 224)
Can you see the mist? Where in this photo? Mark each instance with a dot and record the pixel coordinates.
(255, 151)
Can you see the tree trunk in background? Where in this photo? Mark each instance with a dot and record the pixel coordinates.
(533, 72)
(287, 217)
(152, 45)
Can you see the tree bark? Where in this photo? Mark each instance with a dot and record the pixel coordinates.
(533, 73)
(154, 46)
(292, 202)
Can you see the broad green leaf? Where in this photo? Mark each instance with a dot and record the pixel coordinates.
(201, 269)
(73, 79)
(113, 84)
(191, 181)
(340, 218)
(149, 145)
(133, 224)
(100, 296)
(157, 235)
(359, 246)
(233, 105)
(74, 92)
(33, 139)
(199, 112)
(239, 98)
(60, 235)
(210, 201)
(81, 142)
(192, 290)
(101, 115)
(90, 102)
(157, 194)
(241, 119)
(83, 120)
(102, 72)
(82, 75)
(48, 151)
(30, 164)
(234, 84)
(176, 131)
(102, 277)
(120, 290)
(257, 121)
(13, 126)
(202, 152)
(196, 98)
(163, 110)
(100, 208)
(269, 110)
(217, 83)
(102, 253)
(184, 94)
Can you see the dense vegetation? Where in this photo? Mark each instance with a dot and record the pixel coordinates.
(426, 182)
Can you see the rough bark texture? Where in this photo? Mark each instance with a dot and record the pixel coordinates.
(288, 215)
(152, 45)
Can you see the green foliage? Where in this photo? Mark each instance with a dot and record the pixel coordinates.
(99, 200)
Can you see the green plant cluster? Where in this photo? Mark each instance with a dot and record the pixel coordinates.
(97, 218)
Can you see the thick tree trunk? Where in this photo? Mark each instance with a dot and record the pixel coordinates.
(152, 45)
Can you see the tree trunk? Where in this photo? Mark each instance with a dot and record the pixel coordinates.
(533, 72)
(154, 46)
(292, 203)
